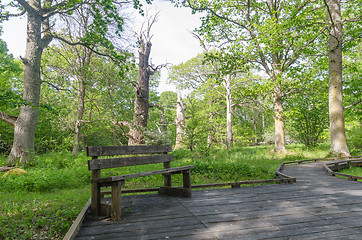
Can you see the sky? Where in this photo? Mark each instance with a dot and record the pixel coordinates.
(172, 41)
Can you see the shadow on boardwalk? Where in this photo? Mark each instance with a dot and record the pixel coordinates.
(316, 207)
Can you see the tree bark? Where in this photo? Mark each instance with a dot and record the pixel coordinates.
(180, 121)
(255, 115)
(24, 131)
(163, 120)
(229, 131)
(336, 111)
(278, 119)
(212, 130)
(139, 124)
(80, 112)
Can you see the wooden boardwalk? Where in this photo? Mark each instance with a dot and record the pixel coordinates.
(316, 207)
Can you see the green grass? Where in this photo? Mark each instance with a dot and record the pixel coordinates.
(43, 203)
(355, 171)
(34, 215)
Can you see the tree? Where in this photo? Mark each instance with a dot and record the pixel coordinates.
(180, 120)
(272, 35)
(39, 35)
(145, 70)
(336, 110)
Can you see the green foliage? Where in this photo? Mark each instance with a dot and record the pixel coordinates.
(352, 77)
(309, 117)
(197, 126)
(10, 69)
(157, 137)
(354, 138)
(108, 99)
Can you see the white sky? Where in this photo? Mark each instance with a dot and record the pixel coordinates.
(172, 41)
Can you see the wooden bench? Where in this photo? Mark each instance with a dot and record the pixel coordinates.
(136, 156)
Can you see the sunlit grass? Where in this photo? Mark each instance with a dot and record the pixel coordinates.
(355, 171)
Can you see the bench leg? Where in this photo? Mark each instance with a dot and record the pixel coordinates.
(96, 194)
(96, 199)
(184, 191)
(187, 182)
(116, 207)
(167, 177)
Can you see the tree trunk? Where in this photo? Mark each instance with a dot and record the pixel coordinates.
(229, 131)
(180, 121)
(163, 120)
(80, 112)
(24, 131)
(278, 119)
(212, 130)
(255, 115)
(336, 111)
(139, 124)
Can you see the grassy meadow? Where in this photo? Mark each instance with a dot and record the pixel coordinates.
(42, 201)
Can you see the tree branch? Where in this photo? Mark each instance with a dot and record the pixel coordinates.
(9, 15)
(8, 119)
(87, 46)
(56, 87)
(353, 104)
(25, 5)
(299, 52)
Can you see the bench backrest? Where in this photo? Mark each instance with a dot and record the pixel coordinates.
(97, 164)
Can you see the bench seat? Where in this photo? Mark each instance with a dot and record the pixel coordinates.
(175, 170)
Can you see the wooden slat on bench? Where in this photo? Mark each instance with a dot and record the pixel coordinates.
(126, 150)
(127, 161)
(144, 174)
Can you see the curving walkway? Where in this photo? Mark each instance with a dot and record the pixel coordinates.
(318, 206)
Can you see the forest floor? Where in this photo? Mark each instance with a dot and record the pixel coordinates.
(42, 200)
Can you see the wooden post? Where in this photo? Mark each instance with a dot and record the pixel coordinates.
(116, 207)
(167, 177)
(96, 193)
(187, 181)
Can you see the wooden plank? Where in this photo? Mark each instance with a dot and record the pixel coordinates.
(140, 190)
(128, 161)
(175, 170)
(175, 191)
(126, 150)
(356, 163)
